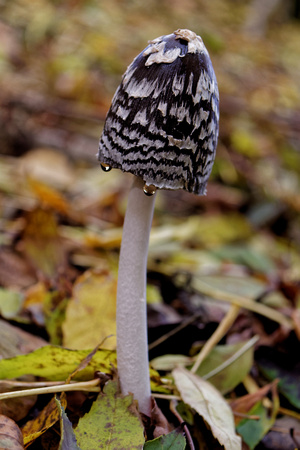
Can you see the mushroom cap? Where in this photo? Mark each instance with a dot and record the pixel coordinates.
(163, 122)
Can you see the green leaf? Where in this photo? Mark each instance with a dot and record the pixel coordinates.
(243, 286)
(210, 405)
(225, 380)
(252, 431)
(68, 439)
(242, 254)
(113, 422)
(228, 378)
(169, 362)
(274, 365)
(56, 363)
(174, 440)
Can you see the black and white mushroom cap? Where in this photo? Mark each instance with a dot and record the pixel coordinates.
(163, 122)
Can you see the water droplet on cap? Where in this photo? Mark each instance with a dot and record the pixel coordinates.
(149, 189)
(105, 167)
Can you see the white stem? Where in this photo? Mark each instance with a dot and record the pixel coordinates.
(132, 341)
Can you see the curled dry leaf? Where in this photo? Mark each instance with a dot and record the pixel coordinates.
(247, 402)
(10, 434)
(158, 420)
(210, 405)
(45, 420)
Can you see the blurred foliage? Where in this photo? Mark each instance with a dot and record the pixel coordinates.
(61, 216)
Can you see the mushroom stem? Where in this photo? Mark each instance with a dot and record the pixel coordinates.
(132, 342)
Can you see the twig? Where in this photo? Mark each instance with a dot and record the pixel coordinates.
(289, 412)
(245, 416)
(90, 386)
(222, 329)
(243, 302)
(181, 421)
(233, 358)
(166, 396)
(166, 336)
(29, 384)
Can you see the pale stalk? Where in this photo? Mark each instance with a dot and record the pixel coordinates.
(132, 340)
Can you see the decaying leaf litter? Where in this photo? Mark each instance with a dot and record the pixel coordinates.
(237, 246)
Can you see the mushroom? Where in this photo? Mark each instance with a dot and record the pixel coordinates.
(162, 127)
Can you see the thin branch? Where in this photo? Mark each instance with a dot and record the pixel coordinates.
(219, 333)
(180, 327)
(232, 359)
(181, 421)
(90, 386)
(166, 396)
(243, 302)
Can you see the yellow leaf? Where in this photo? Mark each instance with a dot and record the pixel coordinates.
(46, 419)
(49, 196)
(112, 422)
(91, 313)
(41, 241)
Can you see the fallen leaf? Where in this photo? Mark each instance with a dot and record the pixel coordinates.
(41, 232)
(14, 271)
(245, 255)
(173, 440)
(112, 422)
(229, 377)
(252, 431)
(15, 341)
(68, 439)
(16, 408)
(10, 303)
(281, 435)
(45, 420)
(38, 163)
(279, 365)
(169, 362)
(91, 313)
(246, 402)
(210, 405)
(158, 423)
(56, 363)
(49, 197)
(244, 286)
(10, 434)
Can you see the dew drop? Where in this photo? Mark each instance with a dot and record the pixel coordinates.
(105, 167)
(149, 189)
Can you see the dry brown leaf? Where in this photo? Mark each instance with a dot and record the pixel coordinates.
(158, 421)
(10, 434)
(46, 419)
(13, 342)
(49, 197)
(16, 408)
(41, 232)
(14, 271)
(39, 163)
(244, 404)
